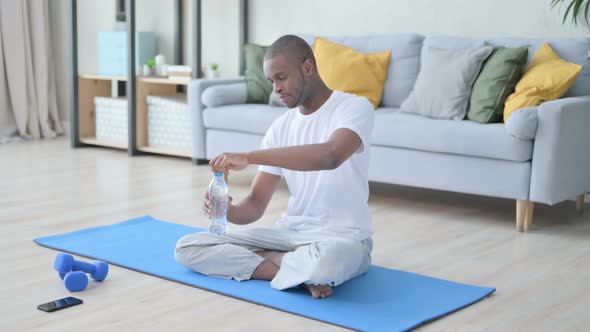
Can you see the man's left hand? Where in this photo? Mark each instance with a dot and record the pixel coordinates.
(229, 161)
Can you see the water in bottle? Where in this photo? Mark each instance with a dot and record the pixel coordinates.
(218, 197)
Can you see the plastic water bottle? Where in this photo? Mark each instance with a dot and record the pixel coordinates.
(218, 198)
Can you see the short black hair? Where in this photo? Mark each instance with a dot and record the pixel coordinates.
(292, 46)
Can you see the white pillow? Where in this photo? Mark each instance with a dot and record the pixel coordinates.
(443, 85)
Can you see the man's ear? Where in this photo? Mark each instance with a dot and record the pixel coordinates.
(308, 67)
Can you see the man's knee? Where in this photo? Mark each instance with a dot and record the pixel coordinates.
(338, 261)
(191, 249)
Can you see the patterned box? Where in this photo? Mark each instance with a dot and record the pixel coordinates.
(111, 119)
(168, 122)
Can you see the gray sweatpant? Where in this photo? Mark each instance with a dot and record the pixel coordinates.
(311, 258)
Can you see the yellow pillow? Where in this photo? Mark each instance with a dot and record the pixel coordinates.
(344, 69)
(548, 77)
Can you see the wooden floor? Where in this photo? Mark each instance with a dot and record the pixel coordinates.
(542, 277)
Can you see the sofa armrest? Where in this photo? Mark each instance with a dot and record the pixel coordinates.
(195, 105)
(226, 94)
(561, 156)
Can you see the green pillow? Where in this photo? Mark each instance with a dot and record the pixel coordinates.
(497, 79)
(259, 88)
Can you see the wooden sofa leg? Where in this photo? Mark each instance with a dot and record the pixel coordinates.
(580, 204)
(524, 215)
(520, 211)
(528, 215)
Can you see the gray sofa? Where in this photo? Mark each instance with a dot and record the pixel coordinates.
(542, 156)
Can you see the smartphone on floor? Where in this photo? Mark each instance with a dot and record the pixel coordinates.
(59, 304)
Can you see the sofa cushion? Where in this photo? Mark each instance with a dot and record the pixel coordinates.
(248, 118)
(259, 88)
(403, 65)
(345, 69)
(497, 79)
(469, 138)
(444, 83)
(570, 49)
(548, 77)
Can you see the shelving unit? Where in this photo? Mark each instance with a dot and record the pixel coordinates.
(154, 86)
(136, 89)
(90, 86)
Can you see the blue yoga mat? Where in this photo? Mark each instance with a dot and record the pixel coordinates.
(380, 300)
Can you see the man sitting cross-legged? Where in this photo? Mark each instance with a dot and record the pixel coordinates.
(320, 146)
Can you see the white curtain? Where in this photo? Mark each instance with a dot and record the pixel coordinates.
(28, 99)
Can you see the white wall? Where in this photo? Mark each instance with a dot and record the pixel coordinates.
(95, 16)
(219, 34)
(219, 30)
(270, 19)
(485, 18)
(157, 16)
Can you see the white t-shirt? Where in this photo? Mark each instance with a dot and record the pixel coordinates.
(330, 201)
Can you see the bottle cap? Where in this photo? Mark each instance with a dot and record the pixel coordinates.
(218, 174)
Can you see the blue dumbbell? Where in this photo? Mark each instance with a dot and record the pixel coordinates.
(76, 281)
(65, 263)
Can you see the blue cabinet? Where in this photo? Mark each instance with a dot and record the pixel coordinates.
(112, 51)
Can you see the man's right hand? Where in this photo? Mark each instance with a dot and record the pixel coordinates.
(207, 204)
(229, 161)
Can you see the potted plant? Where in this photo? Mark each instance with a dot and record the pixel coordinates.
(148, 67)
(213, 71)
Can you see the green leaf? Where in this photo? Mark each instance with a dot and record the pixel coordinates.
(568, 10)
(576, 11)
(586, 12)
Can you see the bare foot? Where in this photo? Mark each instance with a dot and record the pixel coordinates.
(318, 292)
(274, 256)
